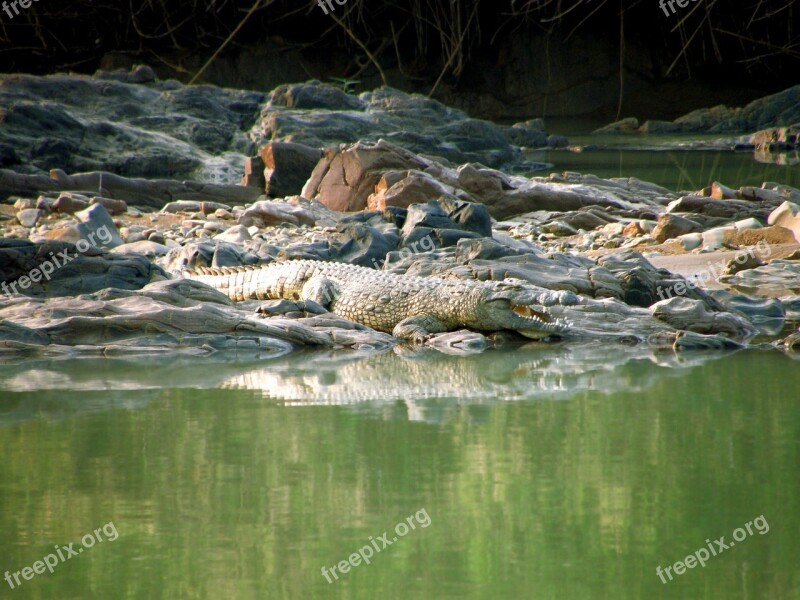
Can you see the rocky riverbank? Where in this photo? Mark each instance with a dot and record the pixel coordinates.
(91, 262)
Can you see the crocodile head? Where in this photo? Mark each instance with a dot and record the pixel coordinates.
(515, 304)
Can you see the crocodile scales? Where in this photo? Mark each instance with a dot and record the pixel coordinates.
(409, 307)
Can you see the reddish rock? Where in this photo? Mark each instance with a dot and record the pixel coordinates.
(416, 188)
(345, 178)
(114, 207)
(633, 229)
(672, 226)
(68, 204)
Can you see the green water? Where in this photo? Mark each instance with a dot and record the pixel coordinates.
(676, 170)
(660, 159)
(545, 472)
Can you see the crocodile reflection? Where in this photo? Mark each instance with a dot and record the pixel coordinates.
(419, 384)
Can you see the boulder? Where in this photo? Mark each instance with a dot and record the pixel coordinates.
(145, 247)
(416, 187)
(29, 217)
(114, 207)
(68, 203)
(345, 177)
(320, 115)
(97, 227)
(287, 166)
(627, 125)
(671, 226)
(787, 215)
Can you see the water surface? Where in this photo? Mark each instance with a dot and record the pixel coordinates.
(545, 471)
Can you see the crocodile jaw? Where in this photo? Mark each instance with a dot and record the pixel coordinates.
(521, 314)
(539, 319)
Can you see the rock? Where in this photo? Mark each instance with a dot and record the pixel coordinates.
(777, 138)
(287, 167)
(690, 241)
(320, 115)
(559, 228)
(146, 247)
(557, 141)
(686, 314)
(729, 209)
(528, 134)
(344, 179)
(670, 226)
(743, 262)
(237, 234)
(29, 217)
(69, 271)
(416, 187)
(787, 215)
(721, 192)
(585, 220)
(627, 125)
(760, 195)
(429, 215)
(254, 173)
(194, 206)
(24, 204)
(158, 130)
(272, 212)
(469, 216)
(68, 203)
(634, 229)
(360, 244)
(792, 343)
(746, 224)
(114, 207)
(313, 95)
(142, 74)
(770, 112)
(97, 227)
(714, 239)
(655, 127)
(485, 185)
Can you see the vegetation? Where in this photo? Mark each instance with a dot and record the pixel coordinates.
(426, 39)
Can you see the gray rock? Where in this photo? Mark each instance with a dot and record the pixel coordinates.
(530, 134)
(320, 115)
(787, 215)
(287, 167)
(64, 271)
(194, 206)
(692, 315)
(146, 247)
(98, 228)
(29, 217)
(235, 235)
(85, 123)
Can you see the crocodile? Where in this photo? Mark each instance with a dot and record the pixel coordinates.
(409, 307)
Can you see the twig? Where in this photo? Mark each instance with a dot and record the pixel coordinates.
(226, 42)
(362, 46)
